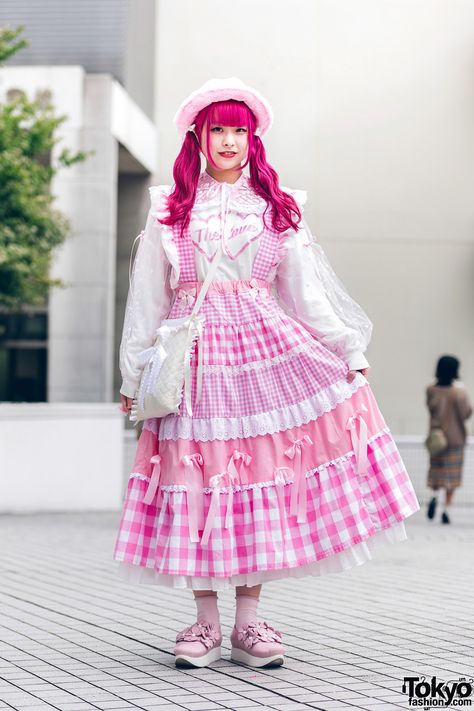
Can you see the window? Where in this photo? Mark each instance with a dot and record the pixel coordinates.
(23, 355)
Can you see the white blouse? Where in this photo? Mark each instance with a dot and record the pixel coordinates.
(232, 213)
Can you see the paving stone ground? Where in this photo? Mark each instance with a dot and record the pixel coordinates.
(73, 637)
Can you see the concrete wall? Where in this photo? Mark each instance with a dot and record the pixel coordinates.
(140, 52)
(374, 106)
(81, 316)
(60, 457)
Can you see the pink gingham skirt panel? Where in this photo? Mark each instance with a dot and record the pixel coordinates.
(208, 429)
(314, 374)
(233, 341)
(331, 436)
(343, 508)
(239, 343)
(344, 560)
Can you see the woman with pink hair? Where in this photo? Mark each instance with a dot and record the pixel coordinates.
(278, 462)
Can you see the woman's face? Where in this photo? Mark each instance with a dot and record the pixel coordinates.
(228, 145)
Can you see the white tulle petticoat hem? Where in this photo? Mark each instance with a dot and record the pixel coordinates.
(335, 563)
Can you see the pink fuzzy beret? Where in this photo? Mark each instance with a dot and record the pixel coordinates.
(221, 90)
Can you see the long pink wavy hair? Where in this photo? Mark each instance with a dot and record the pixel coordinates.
(263, 178)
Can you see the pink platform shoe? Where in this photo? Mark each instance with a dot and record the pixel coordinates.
(257, 645)
(198, 645)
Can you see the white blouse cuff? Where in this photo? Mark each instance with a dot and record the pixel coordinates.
(129, 388)
(357, 361)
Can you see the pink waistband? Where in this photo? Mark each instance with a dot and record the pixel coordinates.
(232, 286)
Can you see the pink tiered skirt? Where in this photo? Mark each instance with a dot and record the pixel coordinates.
(283, 469)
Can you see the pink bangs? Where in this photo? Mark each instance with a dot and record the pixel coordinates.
(231, 113)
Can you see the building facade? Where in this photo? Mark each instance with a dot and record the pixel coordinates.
(97, 62)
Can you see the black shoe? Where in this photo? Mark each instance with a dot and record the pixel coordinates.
(431, 508)
(445, 518)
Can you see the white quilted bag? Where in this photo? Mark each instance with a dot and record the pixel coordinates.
(166, 365)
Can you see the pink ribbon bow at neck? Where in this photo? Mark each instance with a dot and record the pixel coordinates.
(359, 442)
(298, 489)
(229, 478)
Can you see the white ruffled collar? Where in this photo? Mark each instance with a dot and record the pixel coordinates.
(239, 196)
(207, 179)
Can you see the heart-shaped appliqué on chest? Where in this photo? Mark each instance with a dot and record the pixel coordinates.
(241, 230)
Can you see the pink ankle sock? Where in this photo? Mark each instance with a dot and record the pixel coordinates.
(245, 610)
(207, 610)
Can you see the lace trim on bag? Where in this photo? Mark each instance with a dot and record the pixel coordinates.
(207, 429)
(180, 488)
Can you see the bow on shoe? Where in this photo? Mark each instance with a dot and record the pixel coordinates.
(258, 632)
(298, 490)
(282, 476)
(359, 443)
(154, 480)
(204, 632)
(194, 483)
(228, 478)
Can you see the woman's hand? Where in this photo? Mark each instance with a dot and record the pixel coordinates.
(352, 373)
(125, 403)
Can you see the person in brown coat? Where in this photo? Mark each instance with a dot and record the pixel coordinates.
(449, 407)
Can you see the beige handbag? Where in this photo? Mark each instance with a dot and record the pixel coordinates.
(166, 365)
(436, 442)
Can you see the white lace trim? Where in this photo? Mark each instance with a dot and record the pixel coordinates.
(179, 488)
(208, 429)
(243, 198)
(259, 364)
(355, 555)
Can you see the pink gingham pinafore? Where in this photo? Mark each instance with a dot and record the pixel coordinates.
(283, 469)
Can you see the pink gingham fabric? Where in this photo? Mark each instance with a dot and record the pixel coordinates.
(267, 385)
(244, 328)
(329, 433)
(343, 509)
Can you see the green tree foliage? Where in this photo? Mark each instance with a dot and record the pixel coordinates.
(30, 227)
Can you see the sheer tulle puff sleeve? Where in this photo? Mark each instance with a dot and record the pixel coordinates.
(149, 297)
(309, 290)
